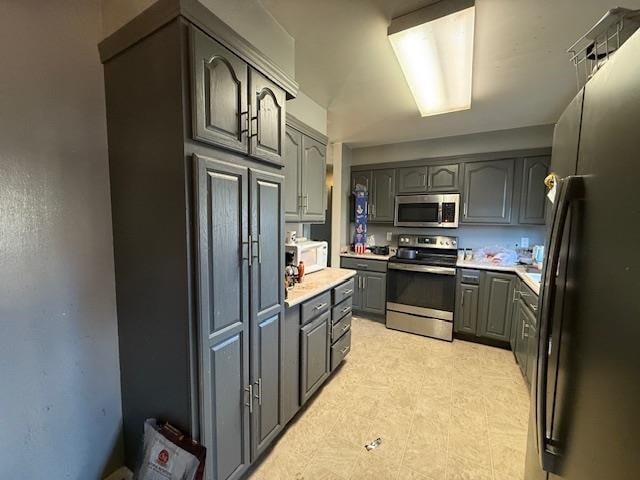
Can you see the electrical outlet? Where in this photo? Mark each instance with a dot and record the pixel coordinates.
(524, 242)
(389, 236)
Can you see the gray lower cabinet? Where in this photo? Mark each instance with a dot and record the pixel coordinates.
(487, 192)
(533, 200)
(496, 308)
(370, 284)
(305, 165)
(525, 335)
(467, 309)
(484, 305)
(315, 340)
(243, 346)
(291, 363)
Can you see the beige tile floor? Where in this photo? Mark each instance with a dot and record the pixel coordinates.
(444, 411)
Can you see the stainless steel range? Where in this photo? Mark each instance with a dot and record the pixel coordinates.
(421, 285)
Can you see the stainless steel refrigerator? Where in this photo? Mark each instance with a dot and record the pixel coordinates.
(585, 403)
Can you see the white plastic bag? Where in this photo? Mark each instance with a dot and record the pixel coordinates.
(164, 460)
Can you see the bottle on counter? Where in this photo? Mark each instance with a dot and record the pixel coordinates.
(300, 271)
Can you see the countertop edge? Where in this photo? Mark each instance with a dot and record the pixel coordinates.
(368, 256)
(347, 275)
(517, 269)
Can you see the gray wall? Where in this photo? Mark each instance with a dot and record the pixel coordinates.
(496, 141)
(60, 413)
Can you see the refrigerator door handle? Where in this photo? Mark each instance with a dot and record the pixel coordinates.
(571, 189)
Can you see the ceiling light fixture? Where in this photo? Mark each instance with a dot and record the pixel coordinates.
(434, 46)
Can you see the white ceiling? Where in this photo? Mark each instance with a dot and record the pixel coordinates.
(522, 76)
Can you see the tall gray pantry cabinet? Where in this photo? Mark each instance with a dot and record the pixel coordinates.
(196, 121)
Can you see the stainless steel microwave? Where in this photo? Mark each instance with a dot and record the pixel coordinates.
(427, 210)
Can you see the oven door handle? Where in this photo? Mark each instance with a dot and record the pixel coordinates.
(410, 267)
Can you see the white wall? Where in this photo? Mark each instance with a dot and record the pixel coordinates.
(309, 112)
(501, 140)
(60, 405)
(247, 17)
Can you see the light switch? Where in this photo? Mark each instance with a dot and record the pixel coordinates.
(389, 236)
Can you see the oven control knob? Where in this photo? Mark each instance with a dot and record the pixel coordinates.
(440, 242)
(446, 243)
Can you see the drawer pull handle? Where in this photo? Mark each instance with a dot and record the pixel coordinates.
(345, 328)
(320, 306)
(344, 350)
(363, 265)
(346, 309)
(534, 307)
(348, 292)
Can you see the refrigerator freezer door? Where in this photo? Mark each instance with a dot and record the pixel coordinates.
(594, 416)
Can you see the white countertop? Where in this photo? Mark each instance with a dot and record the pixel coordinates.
(317, 282)
(370, 256)
(519, 270)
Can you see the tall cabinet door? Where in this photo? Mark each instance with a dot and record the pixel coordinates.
(219, 89)
(533, 199)
(267, 306)
(383, 195)
(467, 309)
(314, 167)
(223, 314)
(497, 305)
(292, 174)
(488, 191)
(267, 119)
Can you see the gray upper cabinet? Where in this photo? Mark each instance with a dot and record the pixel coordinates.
(292, 160)
(305, 166)
(488, 191)
(412, 179)
(314, 167)
(267, 122)
(224, 315)
(382, 195)
(533, 193)
(314, 345)
(219, 89)
(466, 314)
(442, 178)
(267, 303)
(361, 178)
(496, 305)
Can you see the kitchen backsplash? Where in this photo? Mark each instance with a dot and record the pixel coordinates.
(468, 236)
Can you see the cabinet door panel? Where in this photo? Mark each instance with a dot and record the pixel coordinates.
(292, 174)
(223, 285)
(497, 305)
(488, 191)
(383, 198)
(315, 343)
(522, 326)
(291, 363)
(442, 178)
(467, 312)
(267, 121)
(374, 292)
(532, 347)
(220, 115)
(357, 292)
(533, 199)
(314, 168)
(412, 180)
(267, 300)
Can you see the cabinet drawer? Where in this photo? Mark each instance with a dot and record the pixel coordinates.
(340, 350)
(364, 264)
(314, 307)
(342, 309)
(340, 327)
(343, 291)
(472, 277)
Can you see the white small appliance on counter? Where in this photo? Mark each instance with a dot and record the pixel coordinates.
(314, 255)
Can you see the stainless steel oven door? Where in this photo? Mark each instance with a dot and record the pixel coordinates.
(421, 290)
(427, 211)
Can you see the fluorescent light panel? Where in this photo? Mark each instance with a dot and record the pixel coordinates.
(436, 58)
